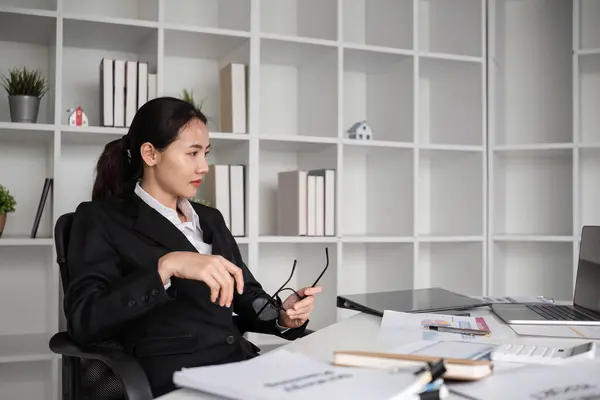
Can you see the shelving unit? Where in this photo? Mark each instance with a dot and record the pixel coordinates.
(406, 214)
(542, 98)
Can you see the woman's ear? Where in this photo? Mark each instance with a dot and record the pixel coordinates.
(148, 153)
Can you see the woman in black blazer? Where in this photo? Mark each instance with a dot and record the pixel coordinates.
(160, 274)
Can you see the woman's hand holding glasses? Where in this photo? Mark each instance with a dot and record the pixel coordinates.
(298, 309)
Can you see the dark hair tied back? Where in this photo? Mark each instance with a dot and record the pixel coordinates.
(158, 122)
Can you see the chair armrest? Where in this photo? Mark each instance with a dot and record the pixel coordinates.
(125, 367)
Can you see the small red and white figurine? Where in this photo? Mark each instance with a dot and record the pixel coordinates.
(77, 117)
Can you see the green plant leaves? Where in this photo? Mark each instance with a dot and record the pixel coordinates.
(25, 82)
(7, 201)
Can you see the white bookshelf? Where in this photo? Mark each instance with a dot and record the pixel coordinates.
(542, 179)
(411, 205)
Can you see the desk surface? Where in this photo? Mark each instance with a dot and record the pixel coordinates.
(361, 332)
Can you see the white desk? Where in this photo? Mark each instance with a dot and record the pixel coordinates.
(361, 332)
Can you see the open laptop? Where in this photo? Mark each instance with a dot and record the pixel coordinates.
(585, 309)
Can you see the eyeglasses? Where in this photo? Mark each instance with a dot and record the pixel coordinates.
(269, 308)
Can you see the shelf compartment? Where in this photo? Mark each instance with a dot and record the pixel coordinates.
(300, 18)
(219, 14)
(75, 174)
(589, 15)
(453, 266)
(193, 61)
(589, 188)
(85, 44)
(538, 269)
(26, 132)
(443, 120)
(298, 90)
(369, 172)
(285, 156)
(29, 270)
(275, 261)
(29, 40)
(37, 158)
(532, 192)
(589, 97)
(27, 380)
(25, 347)
(451, 27)
(531, 73)
(376, 267)
(378, 88)
(451, 193)
(128, 9)
(229, 151)
(33, 5)
(382, 23)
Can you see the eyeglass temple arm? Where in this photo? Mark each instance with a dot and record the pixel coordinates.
(325, 269)
(279, 290)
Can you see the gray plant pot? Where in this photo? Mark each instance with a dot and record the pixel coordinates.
(24, 108)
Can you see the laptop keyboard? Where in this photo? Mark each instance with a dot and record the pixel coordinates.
(561, 313)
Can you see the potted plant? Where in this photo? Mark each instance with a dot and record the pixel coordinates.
(188, 95)
(25, 90)
(7, 205)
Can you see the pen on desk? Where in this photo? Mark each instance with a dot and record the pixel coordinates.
(452, 329)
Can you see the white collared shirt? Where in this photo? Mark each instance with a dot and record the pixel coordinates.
(190, 228)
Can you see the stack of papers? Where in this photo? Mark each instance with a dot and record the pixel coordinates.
(283, 374)
(577, 381)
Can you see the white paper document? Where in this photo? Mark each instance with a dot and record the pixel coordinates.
(578, 332)
(283, 374)
(579, 381)
(402, 320)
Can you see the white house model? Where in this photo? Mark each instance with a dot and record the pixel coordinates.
(360, 131)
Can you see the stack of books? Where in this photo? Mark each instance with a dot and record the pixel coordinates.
(306, 202)
(224, 188)
(125, 86)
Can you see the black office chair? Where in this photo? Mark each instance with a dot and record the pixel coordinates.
(101, 371)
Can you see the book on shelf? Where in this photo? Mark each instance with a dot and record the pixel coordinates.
(125, 86)
(41, 205)
(224, 188)
(306, 202)
(233, 98)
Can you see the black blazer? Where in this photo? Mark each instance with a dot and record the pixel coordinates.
(115, 291)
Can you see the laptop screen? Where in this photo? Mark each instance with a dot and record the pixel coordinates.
(587, 286)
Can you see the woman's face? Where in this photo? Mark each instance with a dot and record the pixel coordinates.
(180, 168)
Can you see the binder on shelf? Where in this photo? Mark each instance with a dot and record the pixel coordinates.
(237, 192)
(216, 190)
(292, 203)
(326, 201)
(38, 215)
(233, 98)
(311, 205)
(107, 92)
(119, 95)
(130, 91)
(152, 86)
(142, 84)
(306, 203)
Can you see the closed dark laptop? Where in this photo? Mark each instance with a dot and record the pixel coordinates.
(585, 309)
(417, 300)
